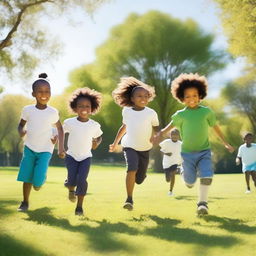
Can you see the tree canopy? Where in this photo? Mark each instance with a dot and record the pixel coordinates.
(239, 22)
(23, 38)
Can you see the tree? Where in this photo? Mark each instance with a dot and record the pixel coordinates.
(10, 109)
(241, 95)
(239, 22)
(23, 37)
(154, 48)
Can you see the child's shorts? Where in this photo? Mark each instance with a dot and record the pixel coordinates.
(197, 164)
(33, 167)
(169, 170)
(137, 161)
(249, 168)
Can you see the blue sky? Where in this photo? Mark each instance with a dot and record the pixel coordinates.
(81, 38)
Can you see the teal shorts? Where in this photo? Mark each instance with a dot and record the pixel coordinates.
(33, 167)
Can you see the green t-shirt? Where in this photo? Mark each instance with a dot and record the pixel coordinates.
(193, 125)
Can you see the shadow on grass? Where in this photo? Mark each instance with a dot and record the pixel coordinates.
(101, 235)
(232, 225)
(10, 246)
(167, 229)
(194, 198)
(5, 204)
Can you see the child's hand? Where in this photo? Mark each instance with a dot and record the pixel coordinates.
(22, 133)
(237, 161)
(112, 148)
(54, 139)
(156, 138)
(229, 148)
(62, 154)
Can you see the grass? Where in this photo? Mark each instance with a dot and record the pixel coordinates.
(159, 225)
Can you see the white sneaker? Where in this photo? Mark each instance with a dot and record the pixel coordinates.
(170, 193)
(247, 191)
(202, 208)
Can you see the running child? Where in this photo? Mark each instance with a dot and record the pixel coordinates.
(36, 128)
(84, 134)
(140, 123)
(172, 160)
(247, 155)
(193, 122)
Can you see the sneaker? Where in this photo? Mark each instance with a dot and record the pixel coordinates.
(170, 193)
(202, 208)
(128, 205)
(79, 211)
(248, 191)
(72, 196)
(23, 207)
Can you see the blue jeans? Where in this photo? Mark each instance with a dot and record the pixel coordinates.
(77, 174)
(197, 164)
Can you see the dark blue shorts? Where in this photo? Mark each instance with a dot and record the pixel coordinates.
(77, 174)
(137, 161)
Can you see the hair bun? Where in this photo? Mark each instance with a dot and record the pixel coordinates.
(43, 75)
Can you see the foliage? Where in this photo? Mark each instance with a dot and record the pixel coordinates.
(10, 110)
(239, 19)
(240, 95)
(23, 37)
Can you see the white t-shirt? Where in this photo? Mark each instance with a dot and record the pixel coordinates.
(80, 137)
(248, 155)
(39, 124)
(168, 146)
(138, 128)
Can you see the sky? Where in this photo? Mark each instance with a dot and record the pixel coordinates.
(86, 33)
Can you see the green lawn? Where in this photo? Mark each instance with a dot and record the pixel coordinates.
(159, 225)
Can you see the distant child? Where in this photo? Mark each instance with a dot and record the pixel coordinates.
(84, 134)
(247, 154)
(140, 123)
(193, 122)
(37, 123)
(172, 160)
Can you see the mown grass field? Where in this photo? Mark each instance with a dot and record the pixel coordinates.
(159, 225)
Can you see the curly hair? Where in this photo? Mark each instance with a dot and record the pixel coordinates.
(125, 89)
(93, 96)
(185, 81)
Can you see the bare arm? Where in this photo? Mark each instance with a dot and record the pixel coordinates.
(21, 130)
(238, 160)
(121, 132)
(96, 142)
(221, 136)
(61, 150)
(167, 128)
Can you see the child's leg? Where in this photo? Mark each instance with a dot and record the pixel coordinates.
(40, 170)
(143, 158)
(26, 191)
(82, 184)
(204, 189)
(254, 177)
(247, 179)
(71, 182)
(189, 173)
(172, 182)
(130, 182)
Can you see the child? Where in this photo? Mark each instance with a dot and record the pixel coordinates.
(247, 154)
(36, 123)
(84, 135)
(139, 125)
(193, 122)
(171, 149)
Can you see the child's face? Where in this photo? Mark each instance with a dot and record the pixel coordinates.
(42, 93)
(83, 108)
(191, 97)
(174, 136)
(140, 98)
(248, 139)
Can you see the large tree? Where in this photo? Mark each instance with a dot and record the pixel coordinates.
(22, 36)
(154, 48)
(239, 22)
